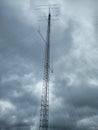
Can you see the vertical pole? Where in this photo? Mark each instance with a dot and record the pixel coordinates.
(44, 112)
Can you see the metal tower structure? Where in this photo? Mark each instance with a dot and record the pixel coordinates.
(44, 112)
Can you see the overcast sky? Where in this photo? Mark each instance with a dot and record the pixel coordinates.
(74, 60)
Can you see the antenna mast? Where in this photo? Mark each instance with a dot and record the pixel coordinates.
(44, 112)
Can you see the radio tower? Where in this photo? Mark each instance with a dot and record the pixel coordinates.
(44, 112)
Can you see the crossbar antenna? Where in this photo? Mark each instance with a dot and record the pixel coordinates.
(44, 112)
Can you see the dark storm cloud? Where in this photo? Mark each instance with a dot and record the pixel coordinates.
(73, 101)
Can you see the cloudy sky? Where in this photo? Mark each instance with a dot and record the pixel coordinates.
(74, 60)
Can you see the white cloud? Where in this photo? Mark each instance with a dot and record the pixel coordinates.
(93, 82)
(5, 107)
(89, 122)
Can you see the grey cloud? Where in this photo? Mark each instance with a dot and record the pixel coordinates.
(21, 53)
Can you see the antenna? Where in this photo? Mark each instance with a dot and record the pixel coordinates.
(44, 112)
(51, 8)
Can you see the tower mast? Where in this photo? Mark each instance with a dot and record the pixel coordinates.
(44, 112)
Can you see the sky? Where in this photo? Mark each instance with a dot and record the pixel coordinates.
(73, 86)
